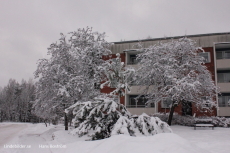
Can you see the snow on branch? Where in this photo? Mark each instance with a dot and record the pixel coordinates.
(103, 118)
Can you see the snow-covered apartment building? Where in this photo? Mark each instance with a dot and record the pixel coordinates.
(217, 60)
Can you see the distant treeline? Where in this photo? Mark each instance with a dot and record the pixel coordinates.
(16, 101)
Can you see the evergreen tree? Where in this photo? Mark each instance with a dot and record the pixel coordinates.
(15, 101)
(100, 115)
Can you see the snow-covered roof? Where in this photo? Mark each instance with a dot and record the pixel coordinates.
(203, 40)
(175, 37)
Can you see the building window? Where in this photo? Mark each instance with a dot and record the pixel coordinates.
(166, 103)
(223, 76)
(137, 103)
(224, 100)
(132, 59)
(223, 53)
(206, 57)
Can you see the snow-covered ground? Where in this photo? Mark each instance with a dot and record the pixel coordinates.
(36, 138)
(215, 141)
(9, 132)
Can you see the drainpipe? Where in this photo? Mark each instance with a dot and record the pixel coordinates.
(215, 65)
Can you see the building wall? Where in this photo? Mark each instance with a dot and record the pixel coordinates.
(223, 65)
(211, 66)
(122, 55)
(207, 41)
(178, 109)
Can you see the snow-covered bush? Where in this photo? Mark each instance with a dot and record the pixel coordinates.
(124, 125)
(218, 121)
(189, 120)
(103, 117)
(99, 115)
(184, 120)
(221, 121)
(162, 116)
(177, 119)
(151, 125)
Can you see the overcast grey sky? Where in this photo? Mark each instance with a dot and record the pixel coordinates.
(28, 27)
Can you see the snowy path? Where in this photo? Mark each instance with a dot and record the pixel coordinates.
(216, 141)
(9, 132)
(32, 136)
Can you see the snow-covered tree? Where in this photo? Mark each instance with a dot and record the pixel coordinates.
(151, 125)
(15, 101)
(102, 118)
(99, 115)
(117, 76)
(174, 71)
(71, 72)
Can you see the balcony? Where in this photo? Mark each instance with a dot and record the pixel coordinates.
(139, 89)
(224, 100)
(223, 63)
(139, 111)
(224, 111)
(223, 80)
(224, 87)
(223, 56)
(224, 104)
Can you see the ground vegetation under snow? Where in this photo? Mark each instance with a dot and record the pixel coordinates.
(104, 117)
(55, 139)
(190, 120)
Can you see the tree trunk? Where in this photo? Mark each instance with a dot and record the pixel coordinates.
(171, 113)
(65, 118)
(70, 119)
(1, 116)
(119, 96)
(45, 123)
(66, 122)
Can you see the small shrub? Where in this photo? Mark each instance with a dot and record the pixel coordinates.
(104, 117)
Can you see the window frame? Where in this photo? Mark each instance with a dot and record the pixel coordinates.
(224, 53)
(226, 102)
(132, 59)
(152, 105)
(225, 74)
(208, 55)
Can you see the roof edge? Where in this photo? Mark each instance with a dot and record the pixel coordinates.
(175, 37)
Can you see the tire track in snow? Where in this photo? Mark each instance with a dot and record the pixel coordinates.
(9, 132)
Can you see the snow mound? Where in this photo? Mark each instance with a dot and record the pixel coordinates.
(164, 142)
